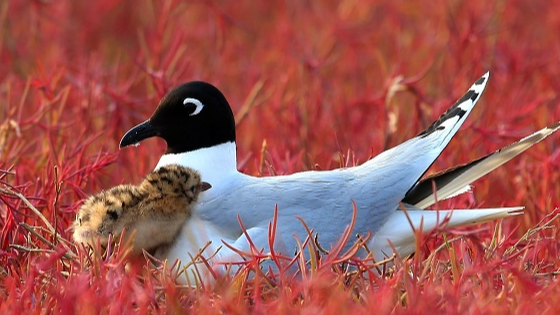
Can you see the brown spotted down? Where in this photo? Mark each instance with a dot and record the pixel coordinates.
(155, 210)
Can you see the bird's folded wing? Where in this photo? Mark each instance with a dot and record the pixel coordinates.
(410, 160)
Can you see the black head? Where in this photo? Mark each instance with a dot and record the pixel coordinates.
(192, 116)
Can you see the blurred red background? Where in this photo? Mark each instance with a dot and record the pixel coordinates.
(314, 85)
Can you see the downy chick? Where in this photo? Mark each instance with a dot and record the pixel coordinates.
(155, 210)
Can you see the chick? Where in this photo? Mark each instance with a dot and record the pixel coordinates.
(155, 210)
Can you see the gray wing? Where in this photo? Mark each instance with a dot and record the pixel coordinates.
(397, 170)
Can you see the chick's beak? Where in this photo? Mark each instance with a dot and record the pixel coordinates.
(204, 186)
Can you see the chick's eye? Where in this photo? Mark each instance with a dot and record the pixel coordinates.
(193, 104)
(113, 214)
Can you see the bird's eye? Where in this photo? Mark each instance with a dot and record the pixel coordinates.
(193, 104)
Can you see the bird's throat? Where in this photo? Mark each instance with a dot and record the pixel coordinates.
(212, 163)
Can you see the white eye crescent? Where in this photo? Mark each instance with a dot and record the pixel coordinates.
(196, 102)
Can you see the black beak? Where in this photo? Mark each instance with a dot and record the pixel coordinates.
(138, 133)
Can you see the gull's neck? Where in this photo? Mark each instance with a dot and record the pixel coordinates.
(213, 163)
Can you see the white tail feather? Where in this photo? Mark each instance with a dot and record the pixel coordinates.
(399, 232)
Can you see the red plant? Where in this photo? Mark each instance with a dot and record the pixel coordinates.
(314, 85)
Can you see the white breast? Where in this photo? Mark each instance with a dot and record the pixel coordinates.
(198, 241)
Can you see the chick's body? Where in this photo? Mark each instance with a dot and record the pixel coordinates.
(155, 210)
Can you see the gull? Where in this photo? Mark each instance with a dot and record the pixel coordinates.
(197, 123)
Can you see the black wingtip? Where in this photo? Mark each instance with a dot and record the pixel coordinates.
(461, 107)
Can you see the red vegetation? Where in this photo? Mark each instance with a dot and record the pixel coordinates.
(314, 84)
